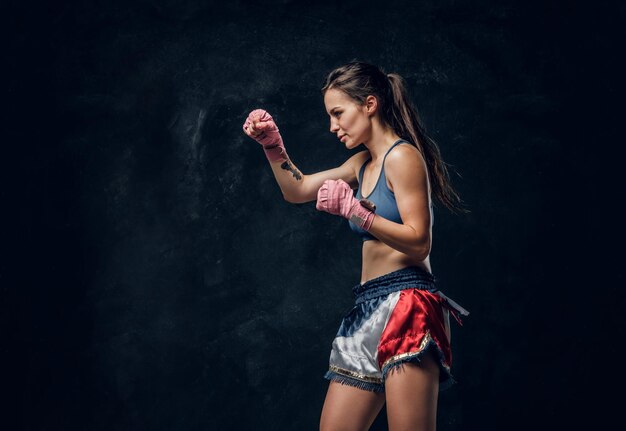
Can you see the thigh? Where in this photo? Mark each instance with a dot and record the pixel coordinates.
(347, 408)
(411, 393)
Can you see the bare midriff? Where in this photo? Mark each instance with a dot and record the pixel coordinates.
(380, 259)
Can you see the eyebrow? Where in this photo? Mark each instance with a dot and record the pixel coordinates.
(332, 109)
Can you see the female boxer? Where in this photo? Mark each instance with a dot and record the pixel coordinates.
(394, 345)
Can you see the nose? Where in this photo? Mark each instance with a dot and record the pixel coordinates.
(334, 127)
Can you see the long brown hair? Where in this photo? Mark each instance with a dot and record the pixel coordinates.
(359, 80)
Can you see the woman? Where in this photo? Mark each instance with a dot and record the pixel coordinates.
(394, 346)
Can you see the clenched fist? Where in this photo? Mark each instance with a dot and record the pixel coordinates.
(260, 126)
(336, 197)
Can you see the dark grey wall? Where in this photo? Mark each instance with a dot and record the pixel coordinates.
(156, 279)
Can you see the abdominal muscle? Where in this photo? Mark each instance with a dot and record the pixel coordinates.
(380, 259)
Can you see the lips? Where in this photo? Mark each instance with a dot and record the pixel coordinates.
(341, 137)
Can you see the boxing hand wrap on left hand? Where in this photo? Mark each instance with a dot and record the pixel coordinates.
(335, 197)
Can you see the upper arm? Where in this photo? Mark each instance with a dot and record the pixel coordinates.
(407, 172)
(347, 172)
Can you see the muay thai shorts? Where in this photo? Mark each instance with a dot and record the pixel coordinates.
(398, 317)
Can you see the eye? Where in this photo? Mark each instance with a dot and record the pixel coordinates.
(337, 114)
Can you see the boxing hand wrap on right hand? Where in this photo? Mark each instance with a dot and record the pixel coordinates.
(335, 197)
(269, 138)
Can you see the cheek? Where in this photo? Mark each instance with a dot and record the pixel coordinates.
(353, 121)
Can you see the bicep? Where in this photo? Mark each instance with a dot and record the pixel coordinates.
(408, 175)
(312, 182)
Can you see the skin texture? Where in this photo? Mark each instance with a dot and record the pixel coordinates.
(398, 245)
(411, 391)
(286, 165)
(348, 408)
(254, 128)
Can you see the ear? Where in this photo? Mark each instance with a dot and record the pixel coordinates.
(371, 105)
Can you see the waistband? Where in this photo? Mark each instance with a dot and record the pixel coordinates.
(411, 277)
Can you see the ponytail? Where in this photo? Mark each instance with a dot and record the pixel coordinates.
(358, 80)
(405, 121)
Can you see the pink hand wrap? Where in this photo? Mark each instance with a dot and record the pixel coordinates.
(335, 197)
(270, 139)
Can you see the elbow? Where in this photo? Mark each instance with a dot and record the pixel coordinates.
(294, 198)
(421, 250)
(291, 199)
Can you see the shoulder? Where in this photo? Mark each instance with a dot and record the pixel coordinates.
(405, 156)
(349, 170)
(356, 160)
(405, 164)
(360, 157)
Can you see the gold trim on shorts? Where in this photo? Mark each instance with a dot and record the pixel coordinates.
(427, 338)
(355, 375)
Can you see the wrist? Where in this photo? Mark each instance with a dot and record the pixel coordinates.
(362, 214)
(275, 153)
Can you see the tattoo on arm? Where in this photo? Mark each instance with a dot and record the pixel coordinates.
(294, 171)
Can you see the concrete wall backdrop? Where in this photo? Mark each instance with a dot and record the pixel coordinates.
(155, 279)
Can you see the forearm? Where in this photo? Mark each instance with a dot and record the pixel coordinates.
(403, 238)
(260, 126)
(288, 177)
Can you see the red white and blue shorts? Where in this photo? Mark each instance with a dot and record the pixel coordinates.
(398, 317)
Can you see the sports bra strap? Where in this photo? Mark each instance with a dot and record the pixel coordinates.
(391, 148)
(384, 158)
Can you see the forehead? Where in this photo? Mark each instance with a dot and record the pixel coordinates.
(335, 98)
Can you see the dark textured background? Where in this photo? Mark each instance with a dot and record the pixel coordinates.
(155, 279)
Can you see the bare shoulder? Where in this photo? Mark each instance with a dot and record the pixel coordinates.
(356, 161)
(405, 163)
(404, 155)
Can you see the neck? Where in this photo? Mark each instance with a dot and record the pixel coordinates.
(380, 141)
